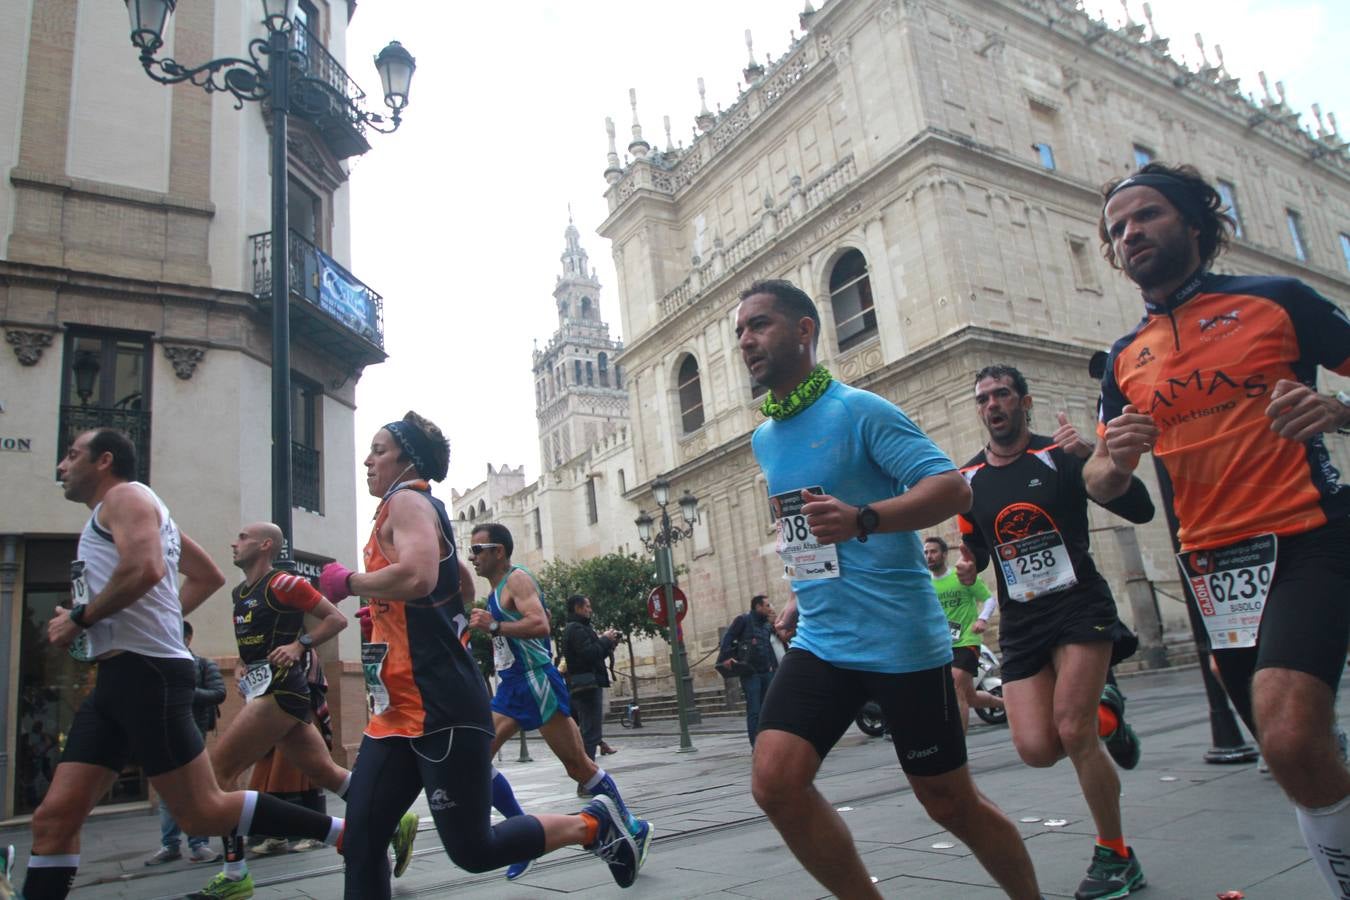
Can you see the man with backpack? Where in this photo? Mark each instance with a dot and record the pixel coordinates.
(746, 651)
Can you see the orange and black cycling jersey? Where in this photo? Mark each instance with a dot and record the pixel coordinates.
(432, 681)
(1203, 364)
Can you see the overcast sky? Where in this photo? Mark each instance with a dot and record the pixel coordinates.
(458, 218)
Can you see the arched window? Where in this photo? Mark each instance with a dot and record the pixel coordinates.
(603, 365)
(691, 396)
(590, 374)
(585, 307)
(576, 363)
(851, 298)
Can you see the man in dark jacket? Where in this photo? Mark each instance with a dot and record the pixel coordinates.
(206, 700)
(585, 652)
(749, 636)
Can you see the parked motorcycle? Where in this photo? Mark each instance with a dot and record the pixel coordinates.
(987, 678)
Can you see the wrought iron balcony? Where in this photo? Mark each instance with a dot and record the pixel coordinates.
(328, 97)
(135, 423)
(306, 483)
(340, 314)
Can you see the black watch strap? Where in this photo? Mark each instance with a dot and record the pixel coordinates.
(77, 615)
(868, 520)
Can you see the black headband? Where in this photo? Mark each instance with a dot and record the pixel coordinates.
(418, 447)
(1178, 193)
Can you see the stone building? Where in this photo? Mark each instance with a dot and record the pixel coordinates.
(134, 235)
(929, 173)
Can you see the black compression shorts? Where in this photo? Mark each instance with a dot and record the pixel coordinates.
(1083, 615)
(140, 710)
(967, 659)
(1306, 622)
(290, 688)
(817, 702)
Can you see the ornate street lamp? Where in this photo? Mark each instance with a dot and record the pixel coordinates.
(266, 75)
(660, 543)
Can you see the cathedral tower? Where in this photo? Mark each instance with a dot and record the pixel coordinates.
(579, 394)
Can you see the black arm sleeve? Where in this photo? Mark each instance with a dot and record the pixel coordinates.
(1135, 505)
(971, 537)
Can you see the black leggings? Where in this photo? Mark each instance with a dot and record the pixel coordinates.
(455, 768)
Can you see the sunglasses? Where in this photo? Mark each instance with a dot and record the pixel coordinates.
(477, 549)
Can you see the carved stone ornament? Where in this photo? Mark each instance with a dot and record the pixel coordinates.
(184, 359)
(28, 345)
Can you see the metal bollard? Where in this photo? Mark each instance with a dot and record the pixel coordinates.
(524, 749)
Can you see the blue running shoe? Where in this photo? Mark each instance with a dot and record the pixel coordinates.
(613, 843)
(642, 838)
(518, 870)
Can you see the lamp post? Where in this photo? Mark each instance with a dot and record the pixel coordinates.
(660, 543)
(266, 75)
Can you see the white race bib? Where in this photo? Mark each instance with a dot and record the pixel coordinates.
(502, 657)
(1230, 586)
(79, 596)
(804, 557)
(1035, 565)
(256, 680)
(372, 663)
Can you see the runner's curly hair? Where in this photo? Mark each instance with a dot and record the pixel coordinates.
(1195, 198)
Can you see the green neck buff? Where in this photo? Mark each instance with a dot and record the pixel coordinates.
(802, 396)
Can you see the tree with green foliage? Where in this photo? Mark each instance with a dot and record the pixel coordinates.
(618, 585)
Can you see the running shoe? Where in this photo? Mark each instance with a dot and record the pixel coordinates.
(271, 847)
(304, 844)
(203, 853)
(1123, 744)
(518, 870)
(164, 855)
(642, 838)
(222, 888)
(402, 843)
(613, 843)
(1111, 876)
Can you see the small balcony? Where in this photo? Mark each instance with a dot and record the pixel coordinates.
(330, 307)
(306, 483)
(327, 96)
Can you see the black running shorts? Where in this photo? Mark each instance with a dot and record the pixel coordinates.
(140, 710)
(290, 688)
(818, 701)
(1029, 632)
(967, 659)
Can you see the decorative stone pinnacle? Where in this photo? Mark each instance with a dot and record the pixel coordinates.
(753, 70)
(612, 171)
(184, 359)
(704, 120)
(1317, 114)
(670, 144)
(806, 15)
(1335, 130)
(638, 147)
(28, 345)
(1265, 86)
(1204, 59)
(1148, 17)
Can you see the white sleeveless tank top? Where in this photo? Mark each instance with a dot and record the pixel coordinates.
(153, 625)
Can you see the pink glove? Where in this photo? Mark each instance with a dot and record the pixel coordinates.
(335, 582)
(367, 626)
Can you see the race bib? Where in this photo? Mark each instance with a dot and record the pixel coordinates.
(1230, 586)
(256, 680)
(955, 630)
(803, 556)
(372, 662)
(1035, 565)
(502, 657)
(79, 596)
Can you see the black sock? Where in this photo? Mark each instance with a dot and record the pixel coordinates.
(50, 877)
(234, 847)
(277, 818)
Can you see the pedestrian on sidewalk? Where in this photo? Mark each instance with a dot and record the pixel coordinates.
(206, 700)
(747, 649)
(585, 652)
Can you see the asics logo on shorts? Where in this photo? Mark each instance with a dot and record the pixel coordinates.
(439, 800)
(921, 754)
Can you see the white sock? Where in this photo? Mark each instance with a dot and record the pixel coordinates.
(235, 870)
(595, 779)
(334, 831)
(1326, 831)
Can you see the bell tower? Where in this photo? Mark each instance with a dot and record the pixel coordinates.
(579, 390)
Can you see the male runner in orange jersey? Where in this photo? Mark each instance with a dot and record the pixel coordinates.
(1219, 381)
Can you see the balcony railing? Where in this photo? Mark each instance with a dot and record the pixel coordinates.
(340, 313)
(323, 66)
(306, 485)
(333, 102)
(135, 423)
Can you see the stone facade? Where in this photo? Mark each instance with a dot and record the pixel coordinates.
(130, 215)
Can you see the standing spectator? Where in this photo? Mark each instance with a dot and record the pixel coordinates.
(206, 700)
(585, 652)
(748, 642)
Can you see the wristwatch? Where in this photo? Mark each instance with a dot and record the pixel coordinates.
(868, 522)
(305, 640)
(77, 615)
(1344, 400)
(494, 627)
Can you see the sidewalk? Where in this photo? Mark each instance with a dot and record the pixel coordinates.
(1198, 829)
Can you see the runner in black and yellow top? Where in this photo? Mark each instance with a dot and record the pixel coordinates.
(269, 627)
(1219, 381)
(967, 608)
(1059, 630)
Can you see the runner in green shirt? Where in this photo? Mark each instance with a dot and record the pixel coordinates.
(967, 620)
